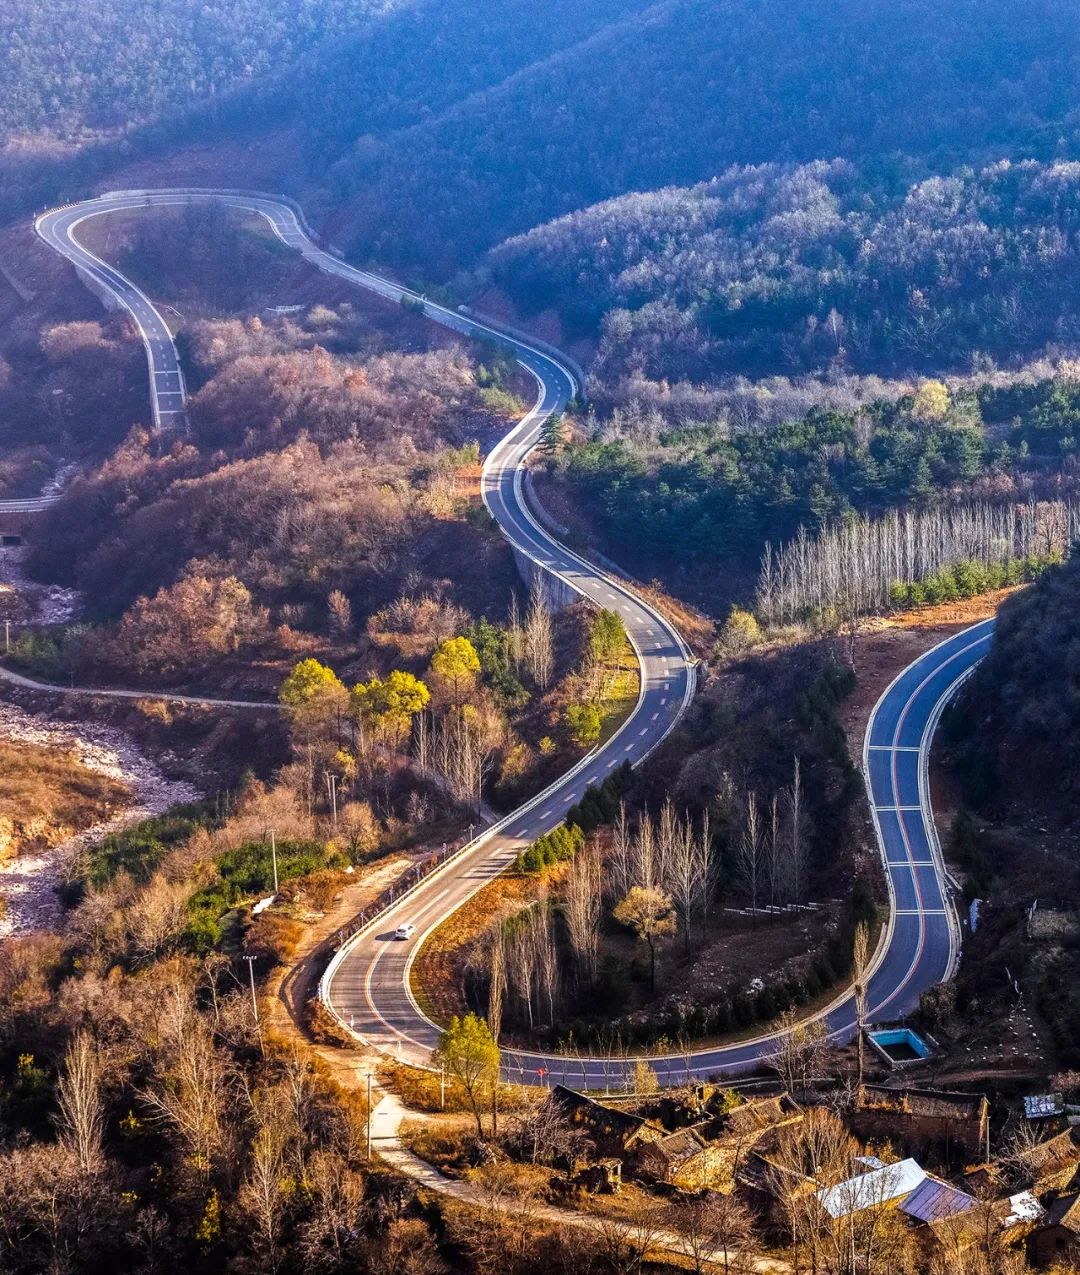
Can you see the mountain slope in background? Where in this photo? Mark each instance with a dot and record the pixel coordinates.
(681, 90)
(74, 68)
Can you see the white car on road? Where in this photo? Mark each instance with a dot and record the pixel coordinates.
(405, 931)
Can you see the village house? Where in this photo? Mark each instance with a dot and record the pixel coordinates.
(750, 1120)
(613, 1132)
(954, 1126)
(1052, 1165)
(706, 1154)
(1058, 1239)
(947, 1219)
(1017, 1216)
(941, 1215)
(880, 1186)
(685, 1160)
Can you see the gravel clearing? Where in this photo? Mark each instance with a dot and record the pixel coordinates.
(28, 883)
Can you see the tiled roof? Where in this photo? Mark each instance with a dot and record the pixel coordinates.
(756, 1115)
(1052, 1155)
(678, 1146)
(610, 1117)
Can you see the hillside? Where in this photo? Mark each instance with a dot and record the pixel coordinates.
(1020, 719)
(429, 132)
(71, 69)
(806, 268)
(681, 90)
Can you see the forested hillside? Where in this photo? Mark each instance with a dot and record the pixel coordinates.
(697, 502)
(69, 68)
(784, 268)
(688, 87)
(1022, 712)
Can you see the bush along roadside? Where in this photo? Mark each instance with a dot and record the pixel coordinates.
(967, 580)
(598, 806)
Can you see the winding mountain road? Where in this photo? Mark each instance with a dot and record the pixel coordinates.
(367, 985)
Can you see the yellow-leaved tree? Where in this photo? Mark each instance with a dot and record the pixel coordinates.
(316, 701)
(456, 666)
(932, 402)
(387, 707)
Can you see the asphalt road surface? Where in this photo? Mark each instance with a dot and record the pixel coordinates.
(367, 985)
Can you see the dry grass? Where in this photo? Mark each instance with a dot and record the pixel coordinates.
(621, 688)
(47, 795)
(423, 1090)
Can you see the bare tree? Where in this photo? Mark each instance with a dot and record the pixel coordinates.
(621, 859)
(548, 959)
(496, 981)
(156, 916)
(795, 846)
(625, 1240)
(261, 1195)
(500, 1227)
(340, 611)
(542, 1134)
(749, 859)
(582, 911)
(799, 1055)
(715, 1229)
(187, 1091)
(539, 637)
(774, 851)
(687, 875)
(852, 567)
(644, 856)
(820, 1150)
(522, 959)
(81, 1113)
(667, 836)
(406, 1247)
(860, 960)
(328, 1237)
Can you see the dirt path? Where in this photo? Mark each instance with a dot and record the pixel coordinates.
(288, 991)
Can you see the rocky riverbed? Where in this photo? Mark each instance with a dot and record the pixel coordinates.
(28, 883)
(24, 601)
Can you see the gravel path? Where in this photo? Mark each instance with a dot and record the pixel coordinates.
(28, 883)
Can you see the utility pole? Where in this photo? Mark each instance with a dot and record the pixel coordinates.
(331, 792)
(254, 1000)
(369, 1115)
(7, 637)
(273, 855)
